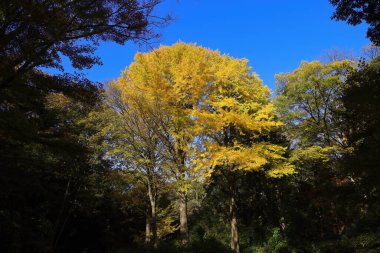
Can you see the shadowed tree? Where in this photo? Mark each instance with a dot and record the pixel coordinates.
(309, 101)
(362, 103)
(354, 12)
(38, 33)
(45, 161)
(130, 141)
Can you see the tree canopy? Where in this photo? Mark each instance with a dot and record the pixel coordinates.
(357, 11)
(187, 150)
(39, 33)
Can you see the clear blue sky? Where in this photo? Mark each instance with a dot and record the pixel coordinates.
(275, 36)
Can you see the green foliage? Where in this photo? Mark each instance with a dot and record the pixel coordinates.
(365, 242)
(204, 246)
(275, 244)
(361, 100)
(309, 103)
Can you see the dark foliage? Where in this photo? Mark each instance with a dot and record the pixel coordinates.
(362, 103)
(53, 195)
(38, 33)
(59, 194)
(357, 11)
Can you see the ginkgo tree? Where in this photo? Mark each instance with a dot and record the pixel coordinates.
(213, 114)
(170, 82)
(234, 123)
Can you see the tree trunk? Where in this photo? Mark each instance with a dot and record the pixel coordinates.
(183, 218)
(61, 220)
(154, 224)
(280, 212)
(147, 227)
(153, 218)
(233, 219)
(154, 221)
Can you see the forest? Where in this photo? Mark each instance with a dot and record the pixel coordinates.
(187, 150)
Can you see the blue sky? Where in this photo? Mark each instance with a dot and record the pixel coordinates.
(275, 36)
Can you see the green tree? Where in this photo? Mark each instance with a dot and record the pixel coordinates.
(309, 102)
(361, 99)
(130, 141)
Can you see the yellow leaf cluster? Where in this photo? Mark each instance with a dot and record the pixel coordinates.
(198, 94)
(254, 158)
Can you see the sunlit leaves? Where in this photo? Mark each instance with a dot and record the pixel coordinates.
(309, 102)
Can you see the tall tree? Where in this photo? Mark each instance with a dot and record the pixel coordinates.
(234, 123)
(361, 99)
(309, 101)
(171, 81)
(130, 139)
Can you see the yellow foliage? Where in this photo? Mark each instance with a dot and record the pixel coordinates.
(281, 170)
(166, 222)
(316, 153)
(57, 101)
(253, 158)
(198, 94)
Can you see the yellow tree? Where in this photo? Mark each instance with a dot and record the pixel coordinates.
(233, 125)
(170, 82)
(127, 137)
(135, 140)
(212, 114)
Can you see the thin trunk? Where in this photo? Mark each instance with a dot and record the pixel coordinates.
(280, 212)
(321, 222)
(152, 212)
(183, 218)
(154, 224)
(152, 200)
(233, 219)
(57, 224)
(183, 227)
(338, 223)
(147, 227)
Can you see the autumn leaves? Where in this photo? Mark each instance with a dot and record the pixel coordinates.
(206, 112)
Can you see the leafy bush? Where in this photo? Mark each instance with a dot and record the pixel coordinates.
(275, 244)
